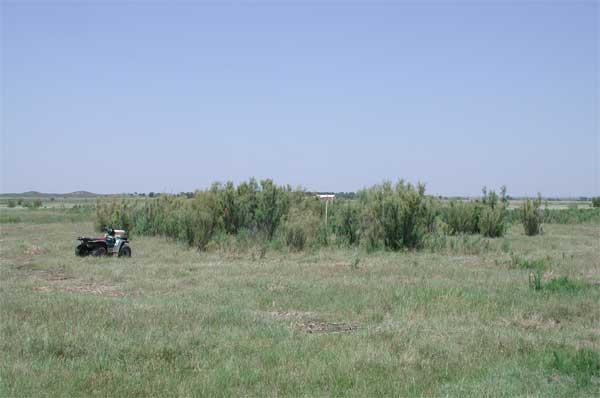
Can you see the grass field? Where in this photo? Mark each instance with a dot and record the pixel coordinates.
(172, 321)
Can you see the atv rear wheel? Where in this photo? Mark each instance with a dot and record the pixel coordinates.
(80, 251)
(99, 251)
(125, 251)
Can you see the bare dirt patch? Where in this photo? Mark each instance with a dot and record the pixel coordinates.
(90, 288)
(51, 274)
(326, 327)
(534, 322)
(306, 321)
(291, 314)
(95, 289)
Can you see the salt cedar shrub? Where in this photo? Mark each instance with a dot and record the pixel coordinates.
(463, 217)
(486, 216)
(300, 227)
(396, 216)
(346, 222)
(532, 216)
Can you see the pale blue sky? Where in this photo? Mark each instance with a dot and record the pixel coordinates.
(157, 96)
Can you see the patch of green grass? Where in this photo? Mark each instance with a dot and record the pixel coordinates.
(46, 216)
(540, 264)
(582, 364)
(536, 279)
(556, 285)
(564, 284)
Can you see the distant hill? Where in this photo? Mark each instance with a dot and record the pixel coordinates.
(41, 195)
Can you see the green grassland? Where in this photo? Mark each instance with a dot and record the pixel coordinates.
(461, 320)
(73, 213)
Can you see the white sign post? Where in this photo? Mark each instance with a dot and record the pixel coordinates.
(327, 199)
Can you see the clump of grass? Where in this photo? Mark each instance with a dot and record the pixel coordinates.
(556, 285)
(462, 244)
(523, 263)
(583, 364)
(259, 252)
(531, 216)
(535, 279)
(505, 246)
(564, 284)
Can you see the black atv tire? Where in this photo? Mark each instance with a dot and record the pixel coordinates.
(81, 251)
(125, 251)
(99, 252)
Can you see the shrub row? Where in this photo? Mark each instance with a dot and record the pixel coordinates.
(251, 206)
(34, 204)
(391, 216)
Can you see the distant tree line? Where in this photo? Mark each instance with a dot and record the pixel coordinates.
(32, 204)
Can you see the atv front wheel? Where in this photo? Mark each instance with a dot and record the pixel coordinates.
(125, 251)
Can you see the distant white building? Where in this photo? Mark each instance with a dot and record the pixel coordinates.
(326, 197)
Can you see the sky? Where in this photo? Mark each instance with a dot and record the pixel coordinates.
(112, 96)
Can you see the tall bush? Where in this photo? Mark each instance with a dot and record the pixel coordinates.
(492, 222)
(395, 216)
(346, 222)
(532, 215)
(300, 228)
(463, 217)
(487, 216)
(272, 205)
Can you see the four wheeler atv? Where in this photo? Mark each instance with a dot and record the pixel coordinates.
(114, 241)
